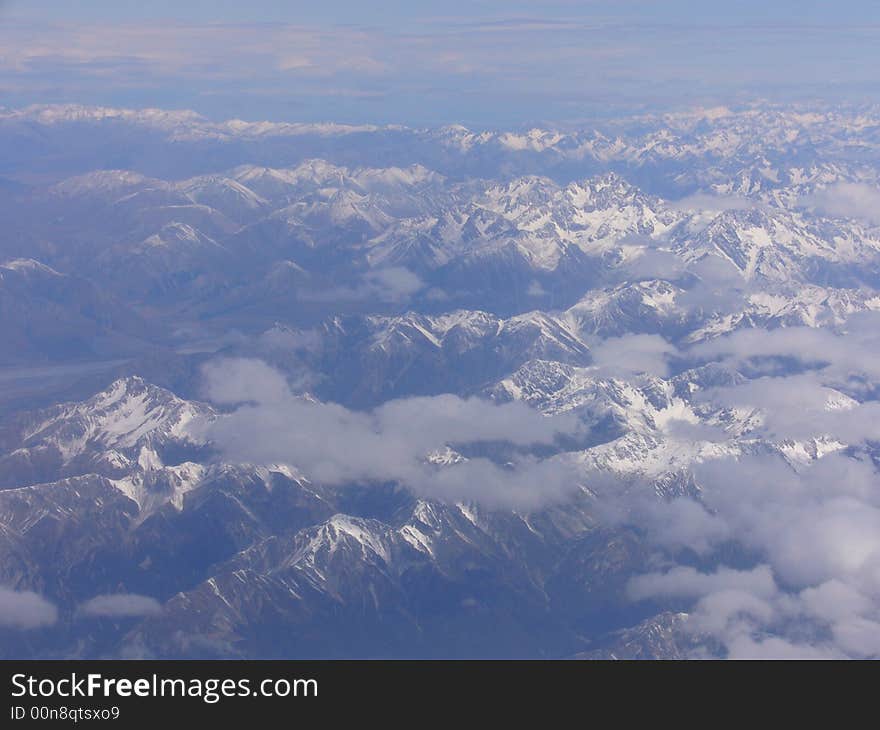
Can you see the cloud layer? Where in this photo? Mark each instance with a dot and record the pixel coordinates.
(848, 200)
(334, 445)
(485, 63)
(120, 605)
(779, 554)
(25, 610)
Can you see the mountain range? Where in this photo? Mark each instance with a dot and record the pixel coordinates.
(275, 390)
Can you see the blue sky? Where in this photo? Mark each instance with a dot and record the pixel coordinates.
(481, 62)
(402, 12)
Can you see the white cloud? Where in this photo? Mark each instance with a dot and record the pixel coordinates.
(690, 583)
(713, 202)
(652, 263)
(633, 354)
(334, 445)
(238, 380)
(25, 610)
(838, 354)
(847, 200)
(120, 605)
(394, 284)
(815, 531)
(799, 506)
(536, 290)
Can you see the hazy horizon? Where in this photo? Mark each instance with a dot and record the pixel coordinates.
(481, 64)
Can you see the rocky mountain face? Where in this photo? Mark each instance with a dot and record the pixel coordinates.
(309, 373)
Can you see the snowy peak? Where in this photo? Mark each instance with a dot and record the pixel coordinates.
(225, 194)
(27, 268)
(105, 183)
(641, 307)
(130, 425)
(180, 236)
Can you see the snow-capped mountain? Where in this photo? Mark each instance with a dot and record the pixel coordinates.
(368, 359)
(321, 390)
(130, 426)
